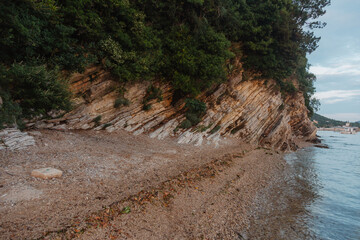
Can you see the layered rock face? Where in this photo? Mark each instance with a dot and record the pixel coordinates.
(253, 110)
(14, 139)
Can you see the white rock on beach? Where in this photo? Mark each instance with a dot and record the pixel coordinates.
(14, 139)
(46, 173)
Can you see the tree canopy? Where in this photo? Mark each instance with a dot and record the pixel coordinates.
(186, 42)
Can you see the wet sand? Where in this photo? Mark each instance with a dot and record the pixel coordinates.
(120, 186)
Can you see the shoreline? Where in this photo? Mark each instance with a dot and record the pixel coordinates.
(203, 203)
(190, 193)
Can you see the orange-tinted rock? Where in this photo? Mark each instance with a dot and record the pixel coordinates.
(251, 110)
(46, 173)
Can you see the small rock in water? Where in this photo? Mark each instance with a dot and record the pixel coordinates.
(46, 173)
(321, 146)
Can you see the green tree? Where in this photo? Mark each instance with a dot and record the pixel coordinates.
(185, 42)
(35, 89)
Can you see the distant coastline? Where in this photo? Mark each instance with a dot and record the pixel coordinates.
(328, 124)
(337, 129)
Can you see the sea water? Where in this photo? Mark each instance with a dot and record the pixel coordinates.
(332, 177)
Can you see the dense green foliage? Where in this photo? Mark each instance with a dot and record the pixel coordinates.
(10, 111)
(39, 89)
(186, 42)
(34, 91)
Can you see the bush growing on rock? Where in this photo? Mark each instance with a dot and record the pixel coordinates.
(152, 92)
(195, 110)
(186, 124)
(97, 120)
(121, 102)
(215, 129)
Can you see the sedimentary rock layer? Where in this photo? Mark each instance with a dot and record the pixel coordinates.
(14, 139)
(253, 110)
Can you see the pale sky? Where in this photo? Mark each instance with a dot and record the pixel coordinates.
(336, 62)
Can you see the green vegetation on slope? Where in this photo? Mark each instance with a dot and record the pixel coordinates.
(189, 43)
(328, 122)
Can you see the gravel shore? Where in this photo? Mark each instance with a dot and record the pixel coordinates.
(120, 186)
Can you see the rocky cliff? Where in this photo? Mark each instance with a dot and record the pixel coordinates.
(253, 110)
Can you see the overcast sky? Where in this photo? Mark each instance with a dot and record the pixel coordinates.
(336, 62)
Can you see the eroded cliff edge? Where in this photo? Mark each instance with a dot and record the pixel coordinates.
(253, 110)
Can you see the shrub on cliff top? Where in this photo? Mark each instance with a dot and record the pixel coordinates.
(186, 42)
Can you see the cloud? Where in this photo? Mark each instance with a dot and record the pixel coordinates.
(340, 70)
(352, 117)
(335, 96)
(349, 65)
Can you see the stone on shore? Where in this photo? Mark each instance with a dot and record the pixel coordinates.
(13, 139)
(46, 173)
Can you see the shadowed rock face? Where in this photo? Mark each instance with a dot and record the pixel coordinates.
(251, 110)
